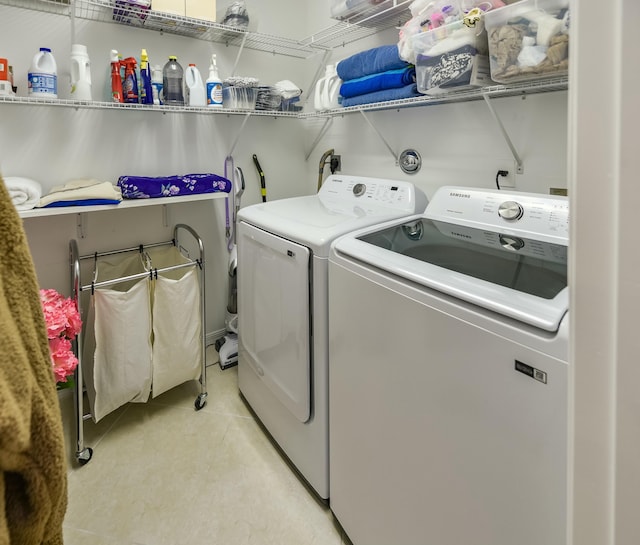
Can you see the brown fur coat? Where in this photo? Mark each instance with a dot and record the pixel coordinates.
(33, 480)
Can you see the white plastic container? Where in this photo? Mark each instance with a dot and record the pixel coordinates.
(43, 75)
(529, 40)
(451, 57)
(214, 85)
(327, 90)
(194, 87)
(80, 73)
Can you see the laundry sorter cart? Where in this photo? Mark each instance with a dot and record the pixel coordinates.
(143, 325)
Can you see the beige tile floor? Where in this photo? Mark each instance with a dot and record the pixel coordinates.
(164, 474)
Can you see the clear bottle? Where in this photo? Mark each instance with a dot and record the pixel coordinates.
(172, 76)
(156, 85)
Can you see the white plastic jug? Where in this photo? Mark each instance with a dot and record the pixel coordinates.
(43, 75)
(80, 73)
(331, 88)
(196, 95)
(327, 90)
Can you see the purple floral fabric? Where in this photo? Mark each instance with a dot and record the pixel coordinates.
(140, 187)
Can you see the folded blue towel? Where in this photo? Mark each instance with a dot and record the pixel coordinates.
(408, 91)
(371, 61)
(140, 187)
(391, 79)
(81, 202)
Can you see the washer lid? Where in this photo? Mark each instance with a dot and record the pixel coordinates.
(343, 204)
(519, 277)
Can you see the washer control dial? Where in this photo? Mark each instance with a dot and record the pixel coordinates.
(359, 189)
(510, 210)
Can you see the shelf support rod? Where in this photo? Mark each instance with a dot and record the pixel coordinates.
(165, 215)
(240, 50)
(381, 136)
(81, 224)
(505, 134)
(235, 142)
(323, 130)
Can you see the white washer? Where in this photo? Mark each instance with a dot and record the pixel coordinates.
(283, 249)
(448, 350)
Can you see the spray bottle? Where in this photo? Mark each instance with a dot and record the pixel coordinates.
(146, 92)
(116, 80)
(214, 85)
(130, 83)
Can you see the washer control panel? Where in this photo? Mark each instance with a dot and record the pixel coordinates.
(365, 192)
(530, 215)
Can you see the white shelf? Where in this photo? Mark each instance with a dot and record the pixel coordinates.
(493, 91)
(97, 105)
(125, 204)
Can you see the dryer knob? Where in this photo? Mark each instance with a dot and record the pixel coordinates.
(359, 190)
(510, 210)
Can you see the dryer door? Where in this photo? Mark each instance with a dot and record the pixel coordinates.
(274, 315)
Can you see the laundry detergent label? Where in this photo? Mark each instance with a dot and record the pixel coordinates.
(43, 84)
(214, 94)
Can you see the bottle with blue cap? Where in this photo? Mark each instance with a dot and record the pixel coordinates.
(42, 76)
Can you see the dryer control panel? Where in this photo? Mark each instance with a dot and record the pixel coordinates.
(365, 192)
(543, 217)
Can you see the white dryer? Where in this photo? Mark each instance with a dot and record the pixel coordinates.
(283, 249)
(448, 337)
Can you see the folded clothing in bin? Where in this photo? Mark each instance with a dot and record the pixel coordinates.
(141, 187)
(451, 57)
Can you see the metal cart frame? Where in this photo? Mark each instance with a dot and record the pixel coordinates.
(84, 453)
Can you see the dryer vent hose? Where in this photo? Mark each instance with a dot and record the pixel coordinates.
(323, 161)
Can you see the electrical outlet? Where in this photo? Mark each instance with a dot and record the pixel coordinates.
(510, 179)
(335, 163)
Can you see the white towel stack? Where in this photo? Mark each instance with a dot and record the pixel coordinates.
(24, 192)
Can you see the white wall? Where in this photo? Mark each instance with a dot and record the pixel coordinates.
(459, 143)
(55, 145)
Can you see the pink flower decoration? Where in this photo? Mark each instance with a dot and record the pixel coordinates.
(63, 324)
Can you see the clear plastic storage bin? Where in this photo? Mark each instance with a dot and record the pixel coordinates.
(529, 40)
(242, 98)
(451, 58)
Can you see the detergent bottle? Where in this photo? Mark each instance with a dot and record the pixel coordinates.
(146, 91)
(214, 85)
(194, 87)
(327, 90)
(80, 73)
(43, 76)
(130, 83)
(116, 79)
(331, 88)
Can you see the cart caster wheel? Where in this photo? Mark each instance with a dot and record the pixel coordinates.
(219, 343)
(84, 456)
(200, 402)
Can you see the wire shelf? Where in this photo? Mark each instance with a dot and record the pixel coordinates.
(109, 11)
(382, 16)
(494, 91)
(164, 109)
(60, 7)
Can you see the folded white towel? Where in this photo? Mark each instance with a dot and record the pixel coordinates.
(24, 192)
(78, 190)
